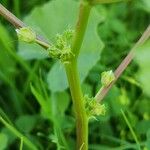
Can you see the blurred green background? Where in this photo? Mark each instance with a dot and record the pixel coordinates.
(39, 107)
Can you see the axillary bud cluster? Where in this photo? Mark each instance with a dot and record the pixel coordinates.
(62, 47)
(93, 108)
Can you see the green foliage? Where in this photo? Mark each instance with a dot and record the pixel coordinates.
(131, 130)
(26, 123)
(62, 100)
(5, 41)
(148, 140)
(143, 60)
(146, 5)
(18, 134)
(44, 104)
(56, 12)
(43, 112)
(3, 141)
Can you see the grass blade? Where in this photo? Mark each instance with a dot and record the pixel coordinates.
(18, 134)
(131, 129)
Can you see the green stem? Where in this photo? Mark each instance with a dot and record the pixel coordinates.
(42, 43)
(73, 78)
(131, 129)
(21, 144)
(77, 97)
(84, 13)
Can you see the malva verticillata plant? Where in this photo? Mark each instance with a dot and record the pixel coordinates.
(66, 48)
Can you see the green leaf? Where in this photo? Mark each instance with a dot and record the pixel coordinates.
(10, 135)
(58, 112)
(143, 126)
(60, 102)
(28, 51)
(142, 58)
(6, 68)
(44, 104)
(145, 5)
(57, 80)
(148, 139)
(87, 89)
(26, 123)
(143, 107)
(3, 141)
(54, 18)
(113, 102)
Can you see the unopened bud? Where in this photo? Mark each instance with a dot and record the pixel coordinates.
(107, 77)
(26, 34)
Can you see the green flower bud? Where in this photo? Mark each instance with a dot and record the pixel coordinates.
(25, 34)
(54, 52)
(60, 41)
(68, 34)
(107, 77)
(93, 108)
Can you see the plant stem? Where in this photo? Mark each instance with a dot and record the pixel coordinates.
(10, 17)
(21, 144)
(73, 77)
(81, 27)
(78, 103)
(42, 43)
(131, 129)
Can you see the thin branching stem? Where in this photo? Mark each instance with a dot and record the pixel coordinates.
(19, 24)
(124, 64)
(11, 17)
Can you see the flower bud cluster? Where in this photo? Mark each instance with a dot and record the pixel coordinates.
(62, 49)
(93, 108)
